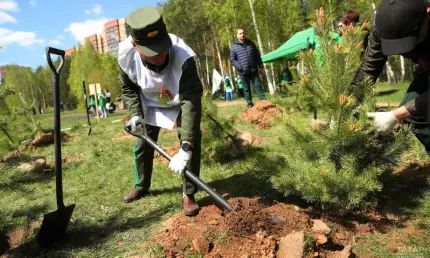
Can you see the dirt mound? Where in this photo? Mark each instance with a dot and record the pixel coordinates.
(253, 230)
(261, 113)
(16, 236)
(256, 229)
(170, 151)
(66, 160)
(46, 138)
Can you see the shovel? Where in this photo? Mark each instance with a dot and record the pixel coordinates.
(54, 224)
(86, 107)
(190, 176)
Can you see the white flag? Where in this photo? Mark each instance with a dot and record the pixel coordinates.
(216, 81)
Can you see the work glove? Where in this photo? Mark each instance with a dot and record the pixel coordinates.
(384, 122)
(136, 125)
(180, 161)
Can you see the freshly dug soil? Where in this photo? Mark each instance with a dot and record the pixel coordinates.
(171, 151)
(254, 230)
(261, 114)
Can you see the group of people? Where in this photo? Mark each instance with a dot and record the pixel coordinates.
(161, 86)
(104, 103)
(229, 87)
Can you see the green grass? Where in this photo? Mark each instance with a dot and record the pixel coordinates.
(97, 182)
(391, 92)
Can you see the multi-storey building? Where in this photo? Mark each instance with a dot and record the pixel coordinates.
(113, 33)
(69, 51)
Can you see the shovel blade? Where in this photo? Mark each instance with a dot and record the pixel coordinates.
(54, 226)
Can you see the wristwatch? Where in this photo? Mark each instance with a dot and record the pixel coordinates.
(185, 146)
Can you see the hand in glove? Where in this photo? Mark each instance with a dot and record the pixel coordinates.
(135, 124)
(384, 122)
(179, 161)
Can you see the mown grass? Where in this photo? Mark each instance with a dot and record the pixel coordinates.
(103, 173)
(392, 93)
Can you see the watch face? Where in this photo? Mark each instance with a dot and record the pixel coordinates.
(186, 146)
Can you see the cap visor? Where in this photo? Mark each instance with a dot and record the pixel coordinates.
(152, 50)
(398, 46)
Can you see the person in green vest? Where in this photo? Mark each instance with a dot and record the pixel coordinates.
(92, 107)
(102, 104)
(239, 84)
(228, 88)
(285, 78)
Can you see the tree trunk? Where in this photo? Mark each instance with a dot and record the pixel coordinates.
(260, 44)
(390, 72)
(207, 62)
(402, 67)
(199, 69)
(219, 55)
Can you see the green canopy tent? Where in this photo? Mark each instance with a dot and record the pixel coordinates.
(301, 40)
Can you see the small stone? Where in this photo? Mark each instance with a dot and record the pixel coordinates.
(296, 208)
(321, 239)
(316, 254)
(320, 227)
(201, 245)
(292, 245)
(275, 219)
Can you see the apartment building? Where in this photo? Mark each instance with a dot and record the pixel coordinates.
(108, 41)
(69, 51)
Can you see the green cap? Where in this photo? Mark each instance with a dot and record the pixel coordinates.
(148, 31)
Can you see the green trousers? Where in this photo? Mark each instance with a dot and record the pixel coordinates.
(255, 79)
(144, 158)
(420, 127)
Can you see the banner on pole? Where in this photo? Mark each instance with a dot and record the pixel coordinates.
(216, 81)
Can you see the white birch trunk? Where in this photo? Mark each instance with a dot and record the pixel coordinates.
(199, 69)
(207, 62)
(260, 44)
(390, 72)
(219, 55)
(402, 67)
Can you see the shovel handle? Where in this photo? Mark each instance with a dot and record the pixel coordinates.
(55, 51)
(190, 176)
(57, 123)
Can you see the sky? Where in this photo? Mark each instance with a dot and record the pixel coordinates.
(27, 27)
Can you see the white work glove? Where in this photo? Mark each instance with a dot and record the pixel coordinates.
(135, 124)
(179, 161)
(384, 122)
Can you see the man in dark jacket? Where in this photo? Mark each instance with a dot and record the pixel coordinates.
(246, 58)
(401, 28)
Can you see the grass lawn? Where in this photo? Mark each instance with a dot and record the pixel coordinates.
(98, 172)
(391, 92)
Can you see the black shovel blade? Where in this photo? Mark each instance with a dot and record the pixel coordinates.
(54, 226)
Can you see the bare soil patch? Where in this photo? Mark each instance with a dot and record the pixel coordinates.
(261, 114)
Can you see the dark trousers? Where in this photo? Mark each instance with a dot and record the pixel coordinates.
(421, 128)
(255, 79)
(240, 93)
(144, 158)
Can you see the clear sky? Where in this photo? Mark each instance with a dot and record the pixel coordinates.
(27, 27)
